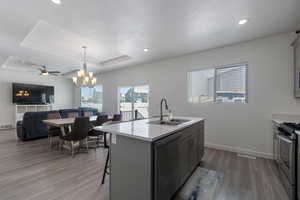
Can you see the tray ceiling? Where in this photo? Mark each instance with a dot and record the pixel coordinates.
(49, 34)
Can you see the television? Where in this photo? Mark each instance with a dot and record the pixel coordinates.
(32, 94)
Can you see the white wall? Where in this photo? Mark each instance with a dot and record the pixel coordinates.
(64, 91)
(237, 127)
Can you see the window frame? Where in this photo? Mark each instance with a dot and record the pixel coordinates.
(132, 103)
(119, 104)
(215, 83)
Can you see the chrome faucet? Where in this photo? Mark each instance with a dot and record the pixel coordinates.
(161, 108)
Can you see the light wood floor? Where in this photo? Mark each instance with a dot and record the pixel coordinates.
(29, 170)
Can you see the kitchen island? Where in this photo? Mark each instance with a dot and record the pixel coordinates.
(151, 161)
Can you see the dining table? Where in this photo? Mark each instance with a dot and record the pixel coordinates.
(64, 122)
(68, 122)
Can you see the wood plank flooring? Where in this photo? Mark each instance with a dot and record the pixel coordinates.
(31, 171)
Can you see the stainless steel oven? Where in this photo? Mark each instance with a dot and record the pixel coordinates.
(287, 149)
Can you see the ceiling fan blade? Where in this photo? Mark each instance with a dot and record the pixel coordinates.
(31, 63)
(54, 72)
(31, 71)
(70, 72)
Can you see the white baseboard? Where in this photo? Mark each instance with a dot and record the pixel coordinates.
(239, 150)
(6, 127)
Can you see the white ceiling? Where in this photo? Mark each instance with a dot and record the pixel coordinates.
(42, 32)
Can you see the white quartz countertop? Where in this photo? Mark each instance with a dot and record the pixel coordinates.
(142, 130)
(282, 118)
(279, 121)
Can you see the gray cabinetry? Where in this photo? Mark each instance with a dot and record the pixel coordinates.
(175, 159)
(154, 170)
(168, 169)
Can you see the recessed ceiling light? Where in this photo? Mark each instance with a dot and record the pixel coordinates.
(243, 21)
(56, 1)
(146, 49)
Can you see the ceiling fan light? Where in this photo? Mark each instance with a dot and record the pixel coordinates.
(45, 73)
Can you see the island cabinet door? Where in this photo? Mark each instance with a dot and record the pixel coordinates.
(189, 155)
(175, 158)
(167, 167)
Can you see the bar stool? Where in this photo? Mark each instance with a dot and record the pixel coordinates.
(106, 168)
(97, 134)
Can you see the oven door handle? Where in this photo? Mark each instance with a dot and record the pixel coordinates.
(284, 139)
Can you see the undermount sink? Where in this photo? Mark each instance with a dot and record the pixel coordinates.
(172, 122)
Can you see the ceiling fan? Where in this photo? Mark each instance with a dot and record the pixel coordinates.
(45, 72)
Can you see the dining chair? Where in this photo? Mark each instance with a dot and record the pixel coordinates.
(78, 133)
(106, 168)
(117, 117)
(101, 119)
(88, 114)
(53, 131)
(98, 134)
(73, 115)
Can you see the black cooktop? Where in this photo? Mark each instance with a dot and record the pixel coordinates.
(294, 126)
(289, 128)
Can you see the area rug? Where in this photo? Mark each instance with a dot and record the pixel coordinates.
(202, 185)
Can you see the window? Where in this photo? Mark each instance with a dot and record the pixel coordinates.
(134, 102)
(231, 84)
(201, 86)
(92, 97)
(221, 85)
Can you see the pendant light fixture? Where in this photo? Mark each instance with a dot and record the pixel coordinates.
(84, 78)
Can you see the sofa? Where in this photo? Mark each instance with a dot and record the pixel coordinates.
(32, 126)
(65, 112)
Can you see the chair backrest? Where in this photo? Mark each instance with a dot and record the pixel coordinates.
(88, 114)
(73, 115)
(101, 119)
(117, 117)
(81, 128)
(54, 115)
(94, 111)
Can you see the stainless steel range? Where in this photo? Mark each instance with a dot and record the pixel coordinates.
(287, 157)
